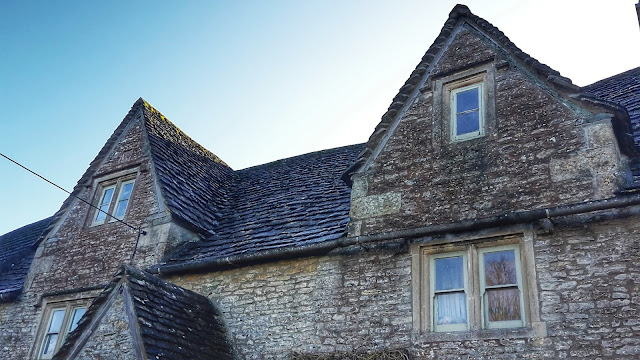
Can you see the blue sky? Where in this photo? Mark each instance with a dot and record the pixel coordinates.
(252, 81)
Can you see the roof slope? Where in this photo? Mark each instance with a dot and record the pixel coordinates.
(194, 182)
(550, 76)
(16, 254)
(174, 323)
(623, 89)
(290, 202)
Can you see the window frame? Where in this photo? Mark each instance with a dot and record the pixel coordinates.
(433, 292)
(473, 244)
(117, 184)
(65, 327)
(486, 323)
(122, 184)
(453, 101)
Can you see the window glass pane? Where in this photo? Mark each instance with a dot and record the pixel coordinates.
(467, 122)
(449, 273)
(102, 214)
(500, 268)
(106, 198)
(77, 314)
(56, 321)
(49, 344)
(126, 191)
(121, 209)
(503, 304)
(467, 100)
(452, 308)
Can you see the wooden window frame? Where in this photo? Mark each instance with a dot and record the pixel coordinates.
(65, 328)
(486, 323)
(117, 184)
(454, 91)
(433, 292)
(474, 245)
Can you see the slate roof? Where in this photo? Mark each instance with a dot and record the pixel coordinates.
(173, 323)
(16, 254)
(552, 77)
(290, 202)
(623, 89)
(194, 182)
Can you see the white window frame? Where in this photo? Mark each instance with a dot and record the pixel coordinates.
(433, 293)
(474, 245)
(119, 198)
(475, 290)
(65, 328)
(117, 186)
(454, 114)
(99, 204)
(486, 323)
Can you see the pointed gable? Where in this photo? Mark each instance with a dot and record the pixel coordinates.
(524, 138)
(409, 91)
(140, 314)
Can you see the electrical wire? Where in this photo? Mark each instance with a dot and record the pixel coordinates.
(140, 231)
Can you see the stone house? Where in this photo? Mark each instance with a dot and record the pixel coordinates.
(493, 213)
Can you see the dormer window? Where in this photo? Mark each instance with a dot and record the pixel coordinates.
(467, 113)
(113, 199)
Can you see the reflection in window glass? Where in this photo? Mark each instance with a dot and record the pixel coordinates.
(53, 332)
(104, 204)
(123, 201)
(77, 315)
(500, 268)
(467, 111)
(503, 304)
(501, 286)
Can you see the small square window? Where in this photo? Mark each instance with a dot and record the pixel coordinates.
(61, 320)
(467, 112)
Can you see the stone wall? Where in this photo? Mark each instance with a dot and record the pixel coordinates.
(539, 150)
(112, 338)
(79, 256)
(588, 287)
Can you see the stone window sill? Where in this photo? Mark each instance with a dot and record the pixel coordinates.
(534, 330)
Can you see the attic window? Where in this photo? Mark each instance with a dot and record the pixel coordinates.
(112, 199)
(467, 113)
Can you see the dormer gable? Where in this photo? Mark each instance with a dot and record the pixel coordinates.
(481, 128)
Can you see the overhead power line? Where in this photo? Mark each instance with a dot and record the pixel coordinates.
(140, 231)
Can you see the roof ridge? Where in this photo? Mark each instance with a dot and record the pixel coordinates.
(298, 156)
(28, 225)
(182, 134)
(622, 74)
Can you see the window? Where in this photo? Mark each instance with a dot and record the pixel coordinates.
(449, 291)
(476, 287)
(499, 289)
(109, 203)
(61, 320)
(467, 112)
